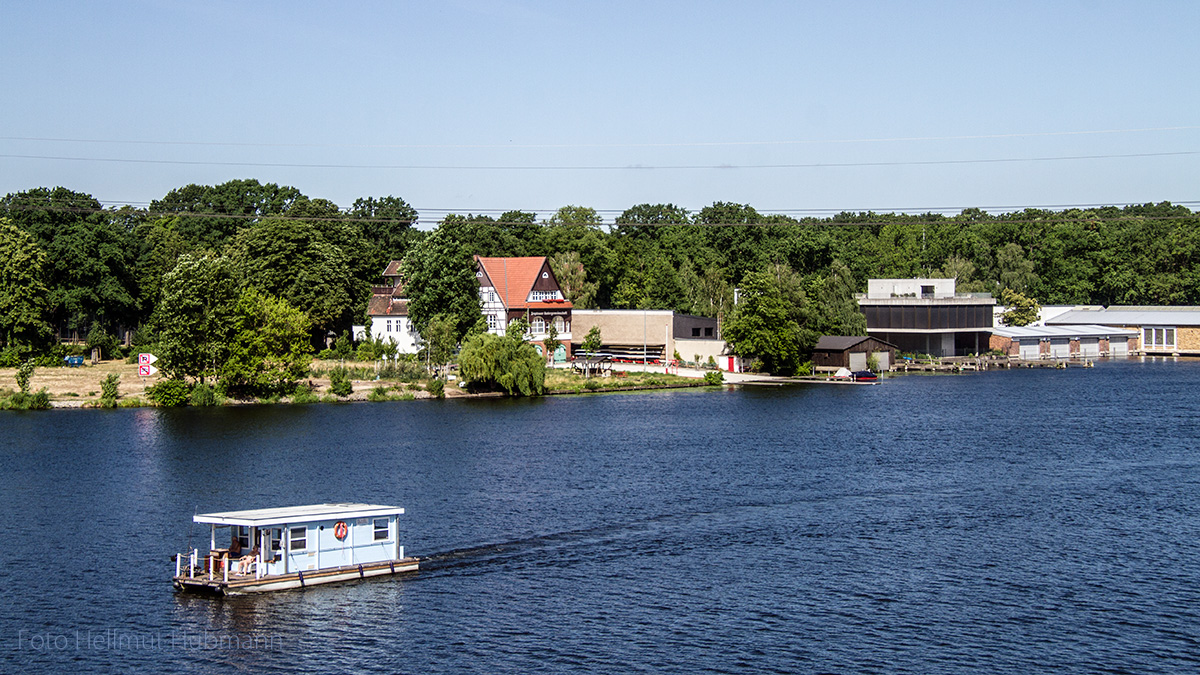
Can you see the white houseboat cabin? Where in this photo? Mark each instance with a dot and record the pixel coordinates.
(272, 549)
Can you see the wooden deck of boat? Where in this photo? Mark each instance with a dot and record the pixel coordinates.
(248, 583)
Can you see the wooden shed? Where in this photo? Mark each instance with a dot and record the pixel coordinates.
(842, 351)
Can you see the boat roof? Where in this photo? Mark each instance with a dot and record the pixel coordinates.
(296, 514)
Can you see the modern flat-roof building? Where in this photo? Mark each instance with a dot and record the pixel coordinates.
(927, 316)
(650, 334)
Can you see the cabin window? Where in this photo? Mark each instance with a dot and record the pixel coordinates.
(299, 538)
(560, 325)
(381, 528)
(696, 331)
(539, 325)
(708, 331)
(242, 532)
(491, 319)
(276, 538)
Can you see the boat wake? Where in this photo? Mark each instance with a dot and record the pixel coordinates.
(615, 540)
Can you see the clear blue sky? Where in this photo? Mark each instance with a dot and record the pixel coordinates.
(484, 106)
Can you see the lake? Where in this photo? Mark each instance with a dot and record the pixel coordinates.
(999, 522)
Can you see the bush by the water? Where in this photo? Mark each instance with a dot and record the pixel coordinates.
(39, 400)
(437, 388)
(169, 393)
(339, 382)
(109, 390)
(714, 377)
(203, 395)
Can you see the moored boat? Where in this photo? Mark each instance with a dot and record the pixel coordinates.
(294, 547)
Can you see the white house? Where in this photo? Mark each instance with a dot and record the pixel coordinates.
(388, 313)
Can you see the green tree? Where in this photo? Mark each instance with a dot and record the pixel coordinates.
(110, 390)
(572, 279)
(1014, 271)
(579, 229)
(195, 321)
(836, 311)
(763, 325)
(551, 342)
(292, 259)
(592, 341)
(440, 340)
(440, 279)
(1021, 310)
(210, 215)
(89, 257)
(387, 228)
(270, 349)
(505, 362)
(22, 288)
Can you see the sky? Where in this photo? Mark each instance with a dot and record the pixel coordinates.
(484, 106)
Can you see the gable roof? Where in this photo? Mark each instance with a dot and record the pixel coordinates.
(393, 269)
(382, 304)
(840, 343)
(513, 279)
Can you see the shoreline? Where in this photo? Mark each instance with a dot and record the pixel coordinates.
(76, 388)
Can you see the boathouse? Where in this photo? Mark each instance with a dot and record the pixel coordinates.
(1169, 330)
(852, 352)
(1030, 343)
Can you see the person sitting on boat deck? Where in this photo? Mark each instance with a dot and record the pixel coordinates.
(230, 554)
(243, 566)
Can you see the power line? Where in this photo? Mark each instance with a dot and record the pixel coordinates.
(568, 146)
(633, 167)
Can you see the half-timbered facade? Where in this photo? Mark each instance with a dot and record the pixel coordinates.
(524, 288)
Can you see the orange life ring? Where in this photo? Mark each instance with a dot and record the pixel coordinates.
(340, 529)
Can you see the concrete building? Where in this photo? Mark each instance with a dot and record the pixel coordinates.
(650, 334)
(927, 316)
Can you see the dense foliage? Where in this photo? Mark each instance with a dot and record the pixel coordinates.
(72, 268)
(503, 362)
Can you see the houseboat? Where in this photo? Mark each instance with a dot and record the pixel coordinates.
(293, 547)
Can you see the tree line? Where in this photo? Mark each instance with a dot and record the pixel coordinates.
(73, 267)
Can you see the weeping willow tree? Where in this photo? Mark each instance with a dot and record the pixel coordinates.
(503, 362)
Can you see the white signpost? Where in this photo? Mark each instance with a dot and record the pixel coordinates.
(146, 365)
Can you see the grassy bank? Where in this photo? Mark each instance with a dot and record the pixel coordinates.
(81, 387)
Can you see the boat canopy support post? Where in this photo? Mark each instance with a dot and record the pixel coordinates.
(212, 536)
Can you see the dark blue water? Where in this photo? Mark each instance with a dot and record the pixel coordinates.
(1004, 522)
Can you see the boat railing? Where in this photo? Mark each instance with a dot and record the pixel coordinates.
(208, 565)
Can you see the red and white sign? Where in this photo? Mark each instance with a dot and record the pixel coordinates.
(146, 370)
(146, 359)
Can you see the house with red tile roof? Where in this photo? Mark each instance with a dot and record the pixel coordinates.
(515, 288)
